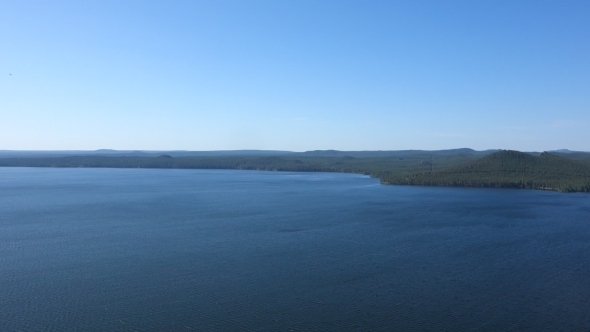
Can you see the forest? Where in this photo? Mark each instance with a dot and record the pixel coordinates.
(565, 172)
(506, 169)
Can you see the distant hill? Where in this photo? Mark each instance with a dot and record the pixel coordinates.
(394, 153)
(136, 153)
(423, 154)
(507, 169)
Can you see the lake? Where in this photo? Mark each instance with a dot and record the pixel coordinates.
(225, 250)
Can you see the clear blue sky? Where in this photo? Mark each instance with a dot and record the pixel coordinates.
(294, 75)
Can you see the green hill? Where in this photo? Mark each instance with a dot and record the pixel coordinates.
(507, 169)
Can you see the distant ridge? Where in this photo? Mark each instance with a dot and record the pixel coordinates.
(137, 153)
(228, 153)
(313, 153)
(393, 153)
(561, 151)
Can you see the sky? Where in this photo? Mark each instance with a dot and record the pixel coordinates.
(294, 75)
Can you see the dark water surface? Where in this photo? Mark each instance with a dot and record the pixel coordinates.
(177, 250)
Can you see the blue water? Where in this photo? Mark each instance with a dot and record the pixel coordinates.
(157, 250)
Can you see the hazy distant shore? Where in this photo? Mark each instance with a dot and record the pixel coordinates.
(558, 171)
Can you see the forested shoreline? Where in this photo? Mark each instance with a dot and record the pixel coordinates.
(506, 169)
(501, 169)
